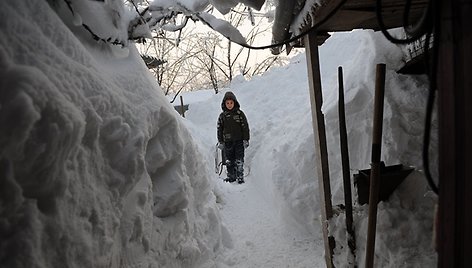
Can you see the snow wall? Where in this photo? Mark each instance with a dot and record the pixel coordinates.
(96, 170)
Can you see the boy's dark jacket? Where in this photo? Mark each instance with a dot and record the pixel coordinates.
(232, 125)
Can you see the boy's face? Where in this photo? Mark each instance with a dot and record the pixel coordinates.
(229, 104)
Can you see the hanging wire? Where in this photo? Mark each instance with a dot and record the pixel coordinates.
(427, 26)
(431, 97)
(415, 32)
(428, 119)
(294, 38)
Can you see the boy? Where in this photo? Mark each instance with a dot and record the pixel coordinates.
(233, 137)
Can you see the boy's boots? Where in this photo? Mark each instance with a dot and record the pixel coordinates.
(240, 171)
(230, 172)
(229, 179)
(235, 171)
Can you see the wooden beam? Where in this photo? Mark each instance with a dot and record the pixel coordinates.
(319, 133)
(354, 4)
(360, 14)
(455, 134)
(351, 236)
(347, 20)
(375, 165)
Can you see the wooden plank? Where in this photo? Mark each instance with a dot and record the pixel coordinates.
(455, 133)
(319, 133)
(351, 237)
(360, 14)
(350, 20)
(347, 20)
(353, 4)
(375, 166)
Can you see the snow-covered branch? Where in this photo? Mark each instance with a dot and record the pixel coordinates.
(116, 21)
(161, 15)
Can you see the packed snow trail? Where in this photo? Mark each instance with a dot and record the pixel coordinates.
(260, 239)
(271, 221)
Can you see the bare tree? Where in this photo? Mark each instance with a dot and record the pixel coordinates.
(196, 60)
(175, 73)
(223, 60)
(203, 61)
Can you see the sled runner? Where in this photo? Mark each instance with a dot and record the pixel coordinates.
(220, 161)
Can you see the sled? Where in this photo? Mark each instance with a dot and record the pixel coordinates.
(220, 161)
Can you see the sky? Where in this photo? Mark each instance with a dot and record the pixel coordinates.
(97, 169)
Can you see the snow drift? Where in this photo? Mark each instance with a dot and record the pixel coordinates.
(96, 170)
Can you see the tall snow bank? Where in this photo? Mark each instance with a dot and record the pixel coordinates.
(96, 168)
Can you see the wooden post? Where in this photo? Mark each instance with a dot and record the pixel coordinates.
(182, 108)
(351, 240)
(321, 151)
(455, 134)
(375, 165)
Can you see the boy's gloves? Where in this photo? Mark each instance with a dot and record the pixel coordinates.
(245, 143)
(221, 146)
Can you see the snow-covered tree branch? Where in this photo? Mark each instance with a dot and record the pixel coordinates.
(116, 23)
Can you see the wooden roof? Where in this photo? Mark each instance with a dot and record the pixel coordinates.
(353, 14)
(360, 14)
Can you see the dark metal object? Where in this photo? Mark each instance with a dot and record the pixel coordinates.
(392, 177)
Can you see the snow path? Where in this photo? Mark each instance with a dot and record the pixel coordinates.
(260, 239)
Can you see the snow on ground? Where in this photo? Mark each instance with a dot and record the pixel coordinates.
(259, 238)
(281, 185)
(98, 170)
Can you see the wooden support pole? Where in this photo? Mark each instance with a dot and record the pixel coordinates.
(351, 240)
(455, 134)
(182, 108)
(375, 165)
(321, 150)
